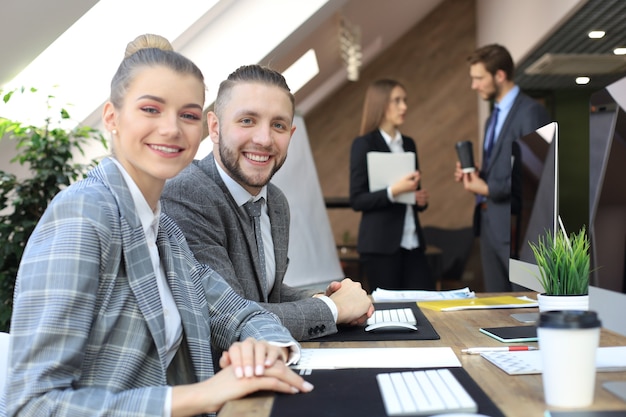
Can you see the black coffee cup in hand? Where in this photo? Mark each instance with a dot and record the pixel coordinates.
(466, 156)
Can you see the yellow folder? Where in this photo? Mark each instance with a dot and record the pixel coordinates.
(503, 301)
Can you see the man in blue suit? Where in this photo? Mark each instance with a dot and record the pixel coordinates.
(514, 115)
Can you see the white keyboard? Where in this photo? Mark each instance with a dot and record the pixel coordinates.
(402, 315)
(424, 392)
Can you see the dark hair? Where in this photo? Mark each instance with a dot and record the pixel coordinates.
(494, 57)
(148, 51)
(251, 73)
(375, 104)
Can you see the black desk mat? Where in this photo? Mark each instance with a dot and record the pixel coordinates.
(425, 330)
(355, 393)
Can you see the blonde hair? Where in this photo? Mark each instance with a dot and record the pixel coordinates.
(375, 104)
(147, 40)
(148, 50)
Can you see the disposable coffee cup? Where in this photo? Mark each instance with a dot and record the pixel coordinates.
(466, 156)
(568, 343)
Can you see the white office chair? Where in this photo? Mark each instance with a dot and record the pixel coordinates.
(4, 359)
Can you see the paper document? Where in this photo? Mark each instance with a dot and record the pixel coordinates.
(381, 295)
(504, 301)
(385, 168)
(608, 359)
(419, 357)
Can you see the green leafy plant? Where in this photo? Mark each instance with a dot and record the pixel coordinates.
(47, 153)
(563, 262)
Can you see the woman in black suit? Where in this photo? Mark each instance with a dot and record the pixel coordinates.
(391, 242)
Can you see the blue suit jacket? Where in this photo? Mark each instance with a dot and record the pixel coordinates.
(526, 115)
(88, 324)
(382, 222)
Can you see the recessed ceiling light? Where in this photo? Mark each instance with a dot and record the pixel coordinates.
(582, 80)
(597, 34)
(619, 51)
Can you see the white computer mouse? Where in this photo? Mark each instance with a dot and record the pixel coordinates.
(461, 415)
(391, 326)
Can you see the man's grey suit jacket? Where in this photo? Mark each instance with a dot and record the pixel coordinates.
(221, 235)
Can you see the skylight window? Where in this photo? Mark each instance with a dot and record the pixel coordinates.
(218, 35)
(302, 71)
(83, 59)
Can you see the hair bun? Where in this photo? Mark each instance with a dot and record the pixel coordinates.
(147, 40)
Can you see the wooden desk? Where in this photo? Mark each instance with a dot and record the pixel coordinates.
(516, 396)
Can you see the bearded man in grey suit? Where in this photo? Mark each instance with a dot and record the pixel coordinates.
(250, 127)
(514, 115)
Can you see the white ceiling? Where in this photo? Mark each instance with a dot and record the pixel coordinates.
(29, 26)
(33, 24)
(381, 23)
(568, 51)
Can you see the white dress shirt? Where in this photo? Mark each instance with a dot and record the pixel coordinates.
(150, 223)
(409, 235)
(241, 197)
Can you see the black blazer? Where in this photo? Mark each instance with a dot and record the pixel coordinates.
(382, 221)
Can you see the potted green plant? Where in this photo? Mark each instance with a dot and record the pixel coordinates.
(563, 263)
(47, 152)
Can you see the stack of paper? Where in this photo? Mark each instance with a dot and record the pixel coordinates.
(386, 168)
(381, 295)
(331, 358)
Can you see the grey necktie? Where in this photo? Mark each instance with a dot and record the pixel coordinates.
(254, 210)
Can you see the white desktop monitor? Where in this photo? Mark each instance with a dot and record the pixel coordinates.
(525, 275)
(535, 201)
(607, 159)
(607, 205)
(607, 210)
(607, 199)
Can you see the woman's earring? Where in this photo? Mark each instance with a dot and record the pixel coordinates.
(114, 131)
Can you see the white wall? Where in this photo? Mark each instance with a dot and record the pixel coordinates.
(520, 26)
(313, 256)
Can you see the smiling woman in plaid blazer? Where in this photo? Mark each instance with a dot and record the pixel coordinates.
(113, 315)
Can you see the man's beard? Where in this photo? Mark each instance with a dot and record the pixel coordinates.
(495, 93)
(229, 161)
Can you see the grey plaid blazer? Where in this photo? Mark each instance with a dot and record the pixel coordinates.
(87, 324)
(221, 235)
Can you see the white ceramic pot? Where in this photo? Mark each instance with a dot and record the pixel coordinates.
(562, 302)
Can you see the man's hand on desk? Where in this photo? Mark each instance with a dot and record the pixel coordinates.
(353, 304)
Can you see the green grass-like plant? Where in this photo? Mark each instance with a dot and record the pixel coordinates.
(563, 262)
(48, 152)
